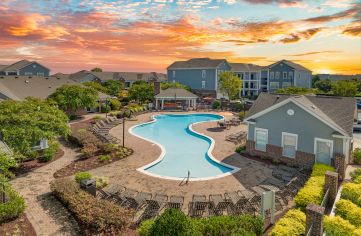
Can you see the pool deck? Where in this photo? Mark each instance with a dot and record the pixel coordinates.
(124, 171)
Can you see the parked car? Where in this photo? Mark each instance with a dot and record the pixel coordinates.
(357, 126)
(358, 104)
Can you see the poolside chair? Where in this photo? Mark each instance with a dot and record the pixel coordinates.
(139, 200)
(154, 207)
(175, 202)
(100, 193)
(198, 205)
(114, 188)
(122, 197)
(237, 202)
(217, 204)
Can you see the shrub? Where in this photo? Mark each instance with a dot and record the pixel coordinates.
(97, 117)
(357, 155)
(50, 151)
(352, 192)
(172, 222)
(349, 211)
(242, 114)
(109, 147)
(313, 190)
(291, 224)
(95, 216)
(145, 227)
(103, 158)
(7, 162)
(15, 205)
(216, 104)
(356, 173)
(82, 176)
(101, 181)
(357, 180)
(115, 104)
(105, 109)
(338, 226)
(240, 149)
(89, 150)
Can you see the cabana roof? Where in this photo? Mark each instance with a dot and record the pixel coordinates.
(172, 93)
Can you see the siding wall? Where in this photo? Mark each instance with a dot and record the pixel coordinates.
(34, 70)
(302, 123)
(303, 79)
(281, 67)
(193, 78)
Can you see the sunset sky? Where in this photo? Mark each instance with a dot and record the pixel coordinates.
(148, 35)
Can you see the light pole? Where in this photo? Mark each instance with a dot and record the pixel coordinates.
(123, 129)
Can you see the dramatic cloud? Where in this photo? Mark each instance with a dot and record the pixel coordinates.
(295, 37)
(312, 53)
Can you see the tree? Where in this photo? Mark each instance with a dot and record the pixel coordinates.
(71, 98)
(344, 88)
(141, 91)
(97, 69)
(97, 86)
(25, 123)
(166, 85)
(315, 78)
(296, 90)
(229, 84)
(7, 162)
(113, 87)
(323, 85)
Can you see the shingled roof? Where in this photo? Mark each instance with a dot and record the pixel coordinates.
(197, 63)
(236, 67)
(291, 64)
(175, 92)
(339, 111)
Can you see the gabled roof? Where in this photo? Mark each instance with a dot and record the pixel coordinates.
(18, 65)
(240, 67)
(197, 63)
(337, 112)
(127, 76)
(175, 92)
(291, 64)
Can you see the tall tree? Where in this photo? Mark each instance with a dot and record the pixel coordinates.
(344, 88)
(315, 78)
(229, 84)
(141, 91)
(24, 123)
(71, 98)
(296, 90)
(113, 87)
(97, 69)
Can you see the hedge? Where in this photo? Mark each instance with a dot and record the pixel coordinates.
(174, 222)
(352, 192)
(357, 156)
(349, 211)
(293, 223)
(355, 174)
(95, 216)
(313, 191)
(80, 176)
(15, 205)
(338, 226)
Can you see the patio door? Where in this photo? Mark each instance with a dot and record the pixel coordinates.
(323, 151)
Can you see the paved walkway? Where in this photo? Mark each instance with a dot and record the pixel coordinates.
(45, 213)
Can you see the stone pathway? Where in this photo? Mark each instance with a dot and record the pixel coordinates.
(45, 213)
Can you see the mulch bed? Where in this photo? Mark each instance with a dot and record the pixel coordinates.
(85, 164)
(267, 161)
(31, 165)
(19, 226)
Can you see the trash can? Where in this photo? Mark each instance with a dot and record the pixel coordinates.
(89, 185)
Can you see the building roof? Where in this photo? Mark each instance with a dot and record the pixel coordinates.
(175, 92)
(17, 65)
(197, 63)
(339, 111)
(291, 64)
(237, 67)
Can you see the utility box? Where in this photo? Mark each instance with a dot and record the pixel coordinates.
(89, 185)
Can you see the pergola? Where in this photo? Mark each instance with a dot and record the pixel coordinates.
(187, 98)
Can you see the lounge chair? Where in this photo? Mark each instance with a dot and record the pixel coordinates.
(237, 202)
(198, 205)
(100, 193)
(123, 197)
(154, 206)
(175, 202)
(217, 204)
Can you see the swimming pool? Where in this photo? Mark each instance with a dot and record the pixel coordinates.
(183, 149)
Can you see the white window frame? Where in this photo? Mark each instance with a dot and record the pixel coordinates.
(284, 75)
(296, 146)
(173, 73)
(204, 73)
(277, 75)
(203, 84)
(321, 140)
(255, 137)
(274, 83)
(271, 75)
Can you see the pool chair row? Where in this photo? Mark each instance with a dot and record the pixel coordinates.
(102, 127)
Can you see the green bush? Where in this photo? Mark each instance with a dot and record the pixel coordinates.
(15, 205)
(293, 223)
(313, 190)
(95, 216)
(97, 117)
(357, 180)
(50, 152)
(336, 226)
(101, 182)
(349, 211)
(352, 192)
(356, 173)
(82, 176)
(240, 149)
(103, 158)
(7, 162)
(145, 227)
(115, 104)
(105, 109)
(357, 155)
(216, 104)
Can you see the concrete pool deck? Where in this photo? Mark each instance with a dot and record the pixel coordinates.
(125, 172)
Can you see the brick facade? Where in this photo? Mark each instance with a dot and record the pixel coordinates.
(275, 153)
(340, 164)
(314, 218)
(331, 183)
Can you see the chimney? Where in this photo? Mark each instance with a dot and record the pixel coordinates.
(156, 87)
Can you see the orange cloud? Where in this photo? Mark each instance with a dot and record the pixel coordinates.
(295, 37)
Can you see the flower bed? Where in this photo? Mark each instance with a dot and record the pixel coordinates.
(95, 216)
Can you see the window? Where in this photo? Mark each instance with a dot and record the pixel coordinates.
(246, 84)
(284, 75)
(261, 136)
(252, 76)
(272, 75)
(286, 84)
(274, 85)
(40, 74)
(289, 144)
(203, 74)
(203, 84)
(323, 150)
(28, 73)
(173, 74)
(290, 75)
(277, 75)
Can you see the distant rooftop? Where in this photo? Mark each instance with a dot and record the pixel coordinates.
(197, 63)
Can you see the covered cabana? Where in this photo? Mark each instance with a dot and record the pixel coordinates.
(175, 98)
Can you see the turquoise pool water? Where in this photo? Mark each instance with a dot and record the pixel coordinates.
(184, 149)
